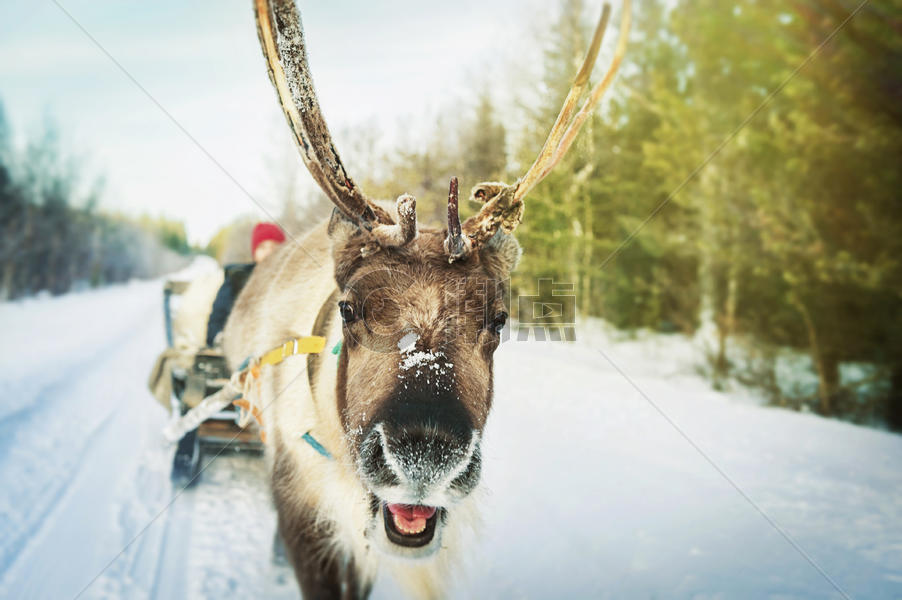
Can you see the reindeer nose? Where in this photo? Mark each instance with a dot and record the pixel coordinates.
(415, 411)
(423, 443)
(425, 459)
(424, 455)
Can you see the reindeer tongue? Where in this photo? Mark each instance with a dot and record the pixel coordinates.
(409, 519)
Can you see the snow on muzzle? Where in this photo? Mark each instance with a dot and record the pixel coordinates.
(423, 466)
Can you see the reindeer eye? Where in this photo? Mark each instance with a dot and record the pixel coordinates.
(348, 314)
(498, 322)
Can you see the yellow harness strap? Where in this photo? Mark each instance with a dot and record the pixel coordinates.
(249, 372)
(311, 344)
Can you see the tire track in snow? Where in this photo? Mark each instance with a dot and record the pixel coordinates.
(43, 447)
(63, 374)
(14, 541)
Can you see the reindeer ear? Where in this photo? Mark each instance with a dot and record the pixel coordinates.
(341, 228)
(503, 250)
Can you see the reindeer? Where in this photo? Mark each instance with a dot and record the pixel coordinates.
(374, 455)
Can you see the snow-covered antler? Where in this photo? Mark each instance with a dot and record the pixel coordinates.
(282, 38)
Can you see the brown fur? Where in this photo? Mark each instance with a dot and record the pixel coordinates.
(324, 507)
(322, 573)
(414, 288)
(403, 409)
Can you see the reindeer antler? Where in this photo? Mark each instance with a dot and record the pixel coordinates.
(455, 242)
(282, 38)
(503, 208)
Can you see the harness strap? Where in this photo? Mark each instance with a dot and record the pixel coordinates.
(307, 437)
(311, 344)
(241, 381)
(321, 326)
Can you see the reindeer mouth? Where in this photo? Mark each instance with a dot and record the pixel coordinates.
(411, 526)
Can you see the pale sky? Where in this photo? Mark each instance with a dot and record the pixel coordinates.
(389, 62)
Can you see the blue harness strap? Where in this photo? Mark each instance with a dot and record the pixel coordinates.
(307, 437)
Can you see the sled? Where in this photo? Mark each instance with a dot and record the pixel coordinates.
(207, 374)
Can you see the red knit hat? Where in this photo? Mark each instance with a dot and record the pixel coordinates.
(266, 231)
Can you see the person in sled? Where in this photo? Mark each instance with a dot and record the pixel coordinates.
(265, 239)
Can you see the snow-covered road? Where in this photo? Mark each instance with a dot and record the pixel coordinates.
(589, 490)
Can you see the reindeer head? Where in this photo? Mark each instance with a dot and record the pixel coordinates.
(422, 308)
